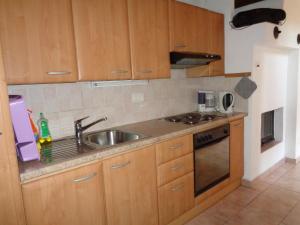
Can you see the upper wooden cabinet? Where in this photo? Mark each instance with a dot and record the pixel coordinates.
(75, 197)
(236, 149)
(11, 204)
(149, 38)
(188, 28)
(130, 188)
(102, 39)
(216, 43)
(37, 41)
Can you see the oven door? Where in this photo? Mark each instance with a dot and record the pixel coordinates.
(211, 164)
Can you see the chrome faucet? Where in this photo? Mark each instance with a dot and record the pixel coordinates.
(79, 128)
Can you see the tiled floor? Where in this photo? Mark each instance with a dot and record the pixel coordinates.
(273, 199)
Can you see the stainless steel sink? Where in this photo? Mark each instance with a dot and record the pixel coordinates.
(110, 138)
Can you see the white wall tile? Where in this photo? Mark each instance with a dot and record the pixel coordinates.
(64, 103)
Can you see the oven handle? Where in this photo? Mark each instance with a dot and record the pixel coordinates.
(211, 143)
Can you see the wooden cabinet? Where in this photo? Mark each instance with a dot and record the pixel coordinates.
(174, 169)
(75, 197)
(11, 204)
(102, 39)
(189, 27)
(2, 73)
(149, 38)
(174, 148)
(236, 149)
(130, 188)
(216, 43)
(175, 198)
(37, 41)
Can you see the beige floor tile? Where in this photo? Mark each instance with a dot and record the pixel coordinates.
(275, 201)
(293, 218)
(224, 210)
(259, 185)
(253, 217)
(289, 184)
(242, 196)
(205, 219)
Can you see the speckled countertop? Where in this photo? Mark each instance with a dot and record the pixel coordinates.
(156, 130)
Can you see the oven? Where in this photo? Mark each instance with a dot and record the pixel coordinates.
(211, 158)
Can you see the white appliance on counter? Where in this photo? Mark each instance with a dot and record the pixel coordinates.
(225, 102)
(206, 101)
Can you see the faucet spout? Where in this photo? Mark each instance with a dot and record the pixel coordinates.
(93, 123)
(79, 128)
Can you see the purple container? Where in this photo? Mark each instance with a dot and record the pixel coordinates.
(24, 137)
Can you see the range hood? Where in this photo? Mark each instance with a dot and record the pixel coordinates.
(183, 60)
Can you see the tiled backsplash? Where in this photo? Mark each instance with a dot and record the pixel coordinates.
(64, 103)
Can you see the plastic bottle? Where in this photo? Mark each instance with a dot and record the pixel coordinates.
(44, 130)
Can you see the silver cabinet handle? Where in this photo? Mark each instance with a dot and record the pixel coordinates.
(119, 71)
(85, 178)
(180, 46)
(118, 166)
(174, 147)
(145, 71)
(57, 73)
(178, 187)
(176, 167)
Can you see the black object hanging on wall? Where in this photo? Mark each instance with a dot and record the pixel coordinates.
(276, 32)
(255, 16)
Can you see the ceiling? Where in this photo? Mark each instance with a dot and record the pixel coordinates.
(240, 3)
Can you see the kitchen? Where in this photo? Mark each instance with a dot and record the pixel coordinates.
(147, 126)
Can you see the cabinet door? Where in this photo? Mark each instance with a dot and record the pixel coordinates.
(2, 73)
(216, 42)
(38, 41)
(102, 39)
(149, 38)
(189, 26)
(75, 197)
(175, 198)
(130, 188)
(236, 149)
(11, 204)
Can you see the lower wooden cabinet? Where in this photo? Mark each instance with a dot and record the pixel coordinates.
(236, 149)
(71, 198)
(175, 198)
(130, 188)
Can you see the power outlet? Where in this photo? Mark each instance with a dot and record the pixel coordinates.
(137, 97)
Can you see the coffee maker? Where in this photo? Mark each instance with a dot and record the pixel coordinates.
(206, 101)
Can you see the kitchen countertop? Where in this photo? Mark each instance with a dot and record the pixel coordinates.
(156, 130)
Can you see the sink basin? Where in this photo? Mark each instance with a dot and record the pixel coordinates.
(110, 138)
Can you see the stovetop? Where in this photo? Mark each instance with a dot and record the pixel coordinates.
(194, 118)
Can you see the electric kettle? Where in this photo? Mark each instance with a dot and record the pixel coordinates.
(225, 102)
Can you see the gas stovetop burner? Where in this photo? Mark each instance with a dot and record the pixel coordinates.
(208, 117)
(174, 119)
(192, 118)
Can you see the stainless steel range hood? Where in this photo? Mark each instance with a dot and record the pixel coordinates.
(183, 60)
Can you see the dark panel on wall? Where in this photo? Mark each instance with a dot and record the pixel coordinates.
(240, 3)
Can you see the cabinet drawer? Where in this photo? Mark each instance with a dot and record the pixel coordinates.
(173, 148)
(175, 198)
(174, 169)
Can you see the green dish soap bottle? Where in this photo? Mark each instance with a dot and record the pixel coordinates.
(45, 136)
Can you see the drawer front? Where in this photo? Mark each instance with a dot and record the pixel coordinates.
(175, 198)
(174, 148)
(174, 169)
